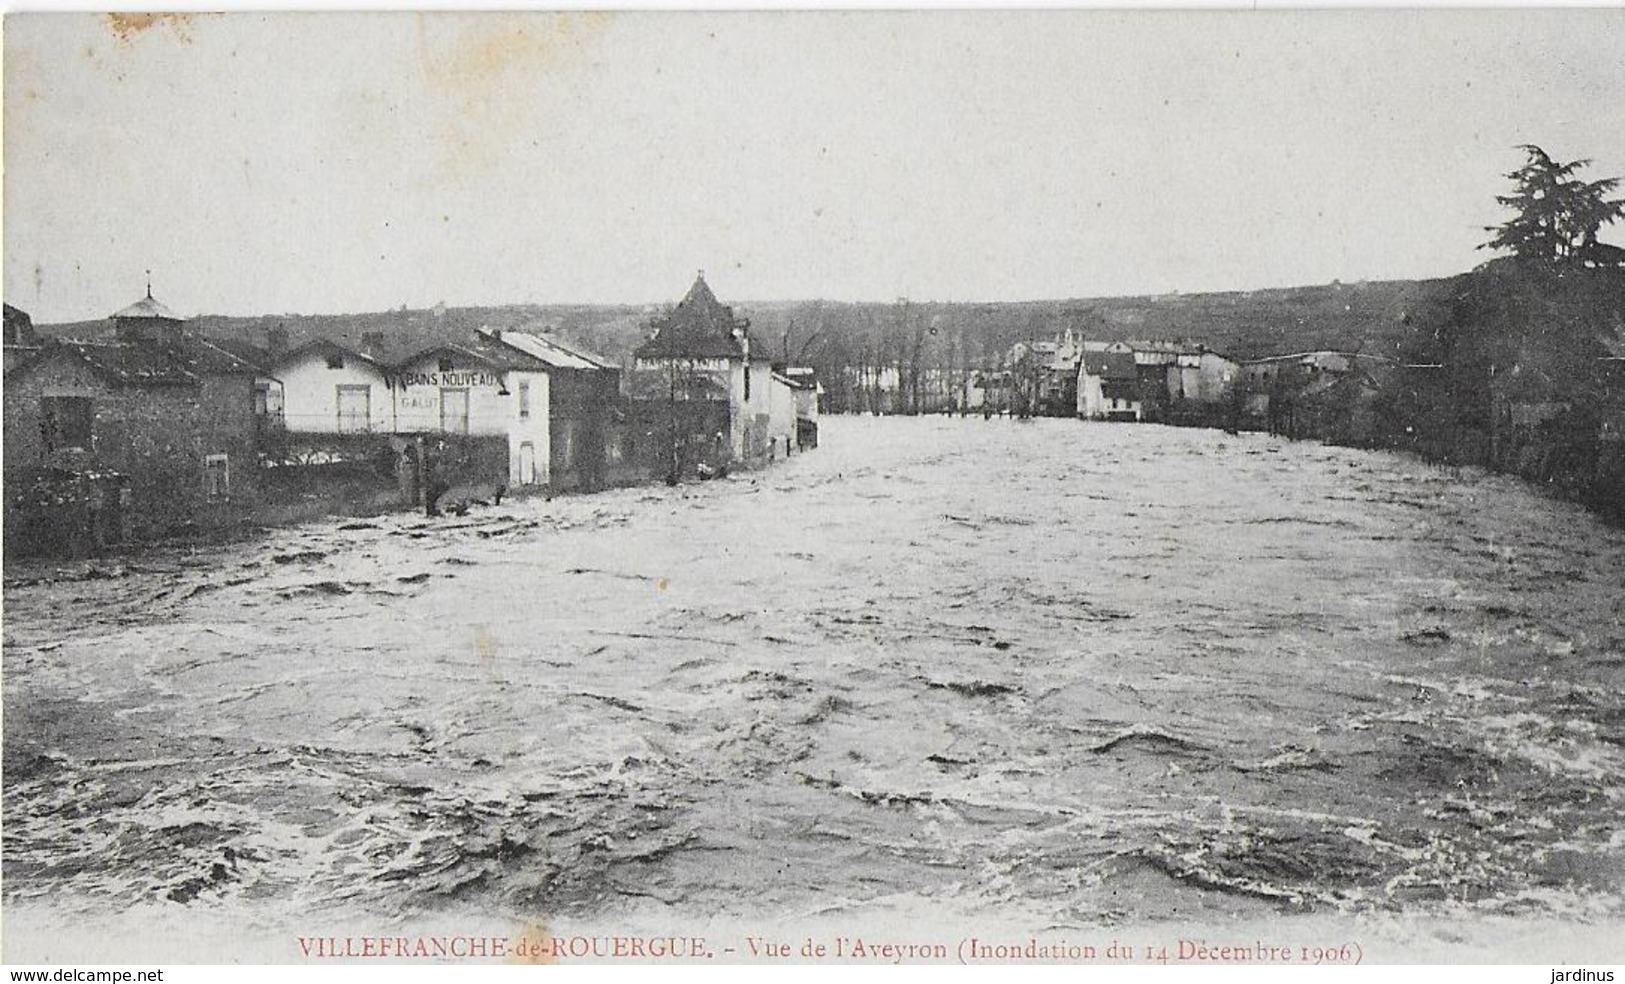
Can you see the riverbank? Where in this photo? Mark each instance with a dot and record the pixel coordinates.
(1587, 472)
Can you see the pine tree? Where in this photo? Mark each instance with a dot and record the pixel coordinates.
(1557, 215)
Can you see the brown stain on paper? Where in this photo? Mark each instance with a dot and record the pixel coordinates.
(485, 647)
(487, 73)
(488, 48)
(532, 946)
(129, 26)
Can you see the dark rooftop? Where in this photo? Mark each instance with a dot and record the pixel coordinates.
(699, 327)
(1110, 365)
(182, 362)
(148, 308)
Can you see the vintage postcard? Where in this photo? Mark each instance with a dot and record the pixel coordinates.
(989, 487)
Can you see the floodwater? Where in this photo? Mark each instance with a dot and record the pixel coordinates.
(1077, 675)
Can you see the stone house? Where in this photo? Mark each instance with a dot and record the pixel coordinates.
(1201, 375)
(166, 417)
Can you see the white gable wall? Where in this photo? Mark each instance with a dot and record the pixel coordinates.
(1091, 401)
(533, 428)
(310, 401)
(750, 414)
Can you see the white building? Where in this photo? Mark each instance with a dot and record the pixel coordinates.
(488, 391)
(1108, 384)
(450, 389)
(330, 389)
(781, 416)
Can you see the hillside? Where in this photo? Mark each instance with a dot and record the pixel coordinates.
(1367, 316)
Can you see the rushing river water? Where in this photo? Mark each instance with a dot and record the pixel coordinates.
(1098, 675)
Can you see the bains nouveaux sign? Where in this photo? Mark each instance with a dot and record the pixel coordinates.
(468, 378)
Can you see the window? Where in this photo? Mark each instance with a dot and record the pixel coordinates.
(747, 381)
(524, 399)
(355, 408)
(454, 410)
(445, 365)
(335, 360)
(216, 476)
(65, 422)
(267, 404)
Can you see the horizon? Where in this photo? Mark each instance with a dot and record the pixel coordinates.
(752, 302)
(948, 157)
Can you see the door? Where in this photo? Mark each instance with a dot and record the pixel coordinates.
(454, 410)
(355, 409)
(527, 463)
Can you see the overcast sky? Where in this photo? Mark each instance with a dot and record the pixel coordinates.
(326, 163)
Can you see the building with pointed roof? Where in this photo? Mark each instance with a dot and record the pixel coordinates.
(699, 327)
(699, 366)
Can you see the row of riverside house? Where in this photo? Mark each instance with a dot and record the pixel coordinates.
(1320, 393)
(152, 430)
(1155, 380)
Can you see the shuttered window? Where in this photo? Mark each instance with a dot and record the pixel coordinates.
(454, 410)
